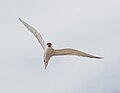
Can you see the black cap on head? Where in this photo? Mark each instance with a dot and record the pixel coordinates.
(49, 44)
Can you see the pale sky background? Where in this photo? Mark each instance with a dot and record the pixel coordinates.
(92, 26)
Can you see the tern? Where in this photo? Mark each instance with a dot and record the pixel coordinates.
(48, 49)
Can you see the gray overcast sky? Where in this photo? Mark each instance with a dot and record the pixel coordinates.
(92, 26)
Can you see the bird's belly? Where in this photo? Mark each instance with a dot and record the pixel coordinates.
(48, 54)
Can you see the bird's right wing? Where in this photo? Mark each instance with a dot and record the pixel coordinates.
(69, 51)
(35, 32)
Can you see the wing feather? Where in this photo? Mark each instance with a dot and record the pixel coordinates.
(35, 32)
(69, 51)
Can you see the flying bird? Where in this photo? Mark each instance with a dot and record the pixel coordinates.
(48, 49)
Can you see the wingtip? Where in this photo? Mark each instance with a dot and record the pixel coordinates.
(22, 21)
(99, 57)
(19, 18)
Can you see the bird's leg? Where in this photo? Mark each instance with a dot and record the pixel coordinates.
(45, 63)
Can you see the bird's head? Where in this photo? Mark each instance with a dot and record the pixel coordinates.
(49, 44)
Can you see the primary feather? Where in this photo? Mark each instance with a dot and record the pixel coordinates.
(35, 32)
(69, 51)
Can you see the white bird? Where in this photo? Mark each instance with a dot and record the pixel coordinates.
(49, 51)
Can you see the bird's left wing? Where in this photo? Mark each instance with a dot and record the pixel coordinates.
(35, 32)
(69, 51)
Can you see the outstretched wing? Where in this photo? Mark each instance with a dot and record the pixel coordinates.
(35, 32)
(69, 51)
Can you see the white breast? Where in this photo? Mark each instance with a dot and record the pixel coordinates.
(48, 53)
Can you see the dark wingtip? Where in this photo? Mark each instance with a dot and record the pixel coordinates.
(19, 18)
(99, 57)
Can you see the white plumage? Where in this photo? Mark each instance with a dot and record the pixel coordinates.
(49, 51)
